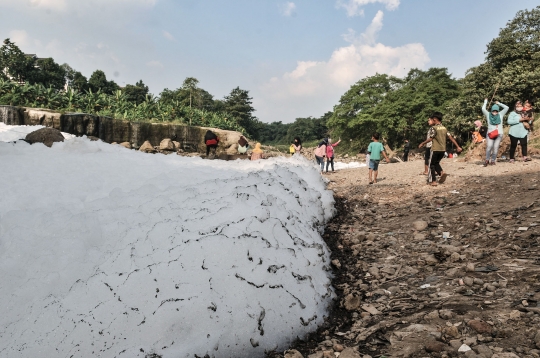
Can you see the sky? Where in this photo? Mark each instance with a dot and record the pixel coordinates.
(296, 58)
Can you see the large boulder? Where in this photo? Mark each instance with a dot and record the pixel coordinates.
(46, 136)
(166, 144)
(147, 147)
(226, 138)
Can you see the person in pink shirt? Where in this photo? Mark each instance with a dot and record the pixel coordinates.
(320, 153)
(330, 153)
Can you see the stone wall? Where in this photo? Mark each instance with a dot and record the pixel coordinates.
(111, 130)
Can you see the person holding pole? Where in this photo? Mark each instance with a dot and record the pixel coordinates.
(495, 130)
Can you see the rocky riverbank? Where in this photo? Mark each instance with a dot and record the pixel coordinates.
(433, 272)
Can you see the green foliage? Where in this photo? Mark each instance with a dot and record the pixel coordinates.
(136, 94)
(273, 133)
(98, 83)
(512, 67)
(116, 105)
(49, 74)
(238, 105)
(190, 95)
(14, 63)
(307, 129)
(396, 108)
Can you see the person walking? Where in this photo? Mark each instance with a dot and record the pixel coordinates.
(517, 120)
(494, 131)
(406, 149)
(320, 153)
(330, 153)
(375, 149)
(438, 134)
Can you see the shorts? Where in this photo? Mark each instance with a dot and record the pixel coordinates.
(374, 164)
(427, 155)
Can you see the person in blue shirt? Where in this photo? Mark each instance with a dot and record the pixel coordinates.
(374, 150)
(518, 132)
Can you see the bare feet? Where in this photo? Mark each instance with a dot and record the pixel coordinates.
(433, 183)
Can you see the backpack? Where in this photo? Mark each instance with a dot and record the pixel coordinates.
(291, 149)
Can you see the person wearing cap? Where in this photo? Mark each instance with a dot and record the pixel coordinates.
(494, 131)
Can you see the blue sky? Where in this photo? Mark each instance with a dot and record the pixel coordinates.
(295, 57)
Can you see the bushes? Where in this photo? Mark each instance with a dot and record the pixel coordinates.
(116, 105)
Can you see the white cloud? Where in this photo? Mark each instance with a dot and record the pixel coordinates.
(154, 64)
(168, 36)
(316, 86)
(287, 9)
(354, 7)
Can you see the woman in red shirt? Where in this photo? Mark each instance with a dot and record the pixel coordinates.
(330, 153)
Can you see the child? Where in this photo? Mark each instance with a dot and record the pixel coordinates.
(375, 149)
(438, 135)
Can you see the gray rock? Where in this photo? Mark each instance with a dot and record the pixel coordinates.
(483, 349)
(351, 302)
(504, 355)
(446, 314)
(147, 147)
(435, 347)
(432, 316)
(166, 144)
(293, 353)
(469, 281)
(316, 355)
(349, 353)
(47, 136)
(419, 225)
(537, 339)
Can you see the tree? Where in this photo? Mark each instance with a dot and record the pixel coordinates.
(136, 94)
(353, 118)
(273, 133)
(15, 64)
(98, 81)
(49, 74)
(75, 79)
(238, 105)
(395, 108)
(190, 95)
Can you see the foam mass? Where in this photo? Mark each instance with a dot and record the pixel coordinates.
(108, 252)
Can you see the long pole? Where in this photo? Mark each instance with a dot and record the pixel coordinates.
(496, 88)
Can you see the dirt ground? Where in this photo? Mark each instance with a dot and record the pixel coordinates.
(425, 271)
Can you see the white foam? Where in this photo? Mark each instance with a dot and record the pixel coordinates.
(110, 252)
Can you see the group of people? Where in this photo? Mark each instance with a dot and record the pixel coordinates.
(325, 149)
(211, 140)
(520, 121)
